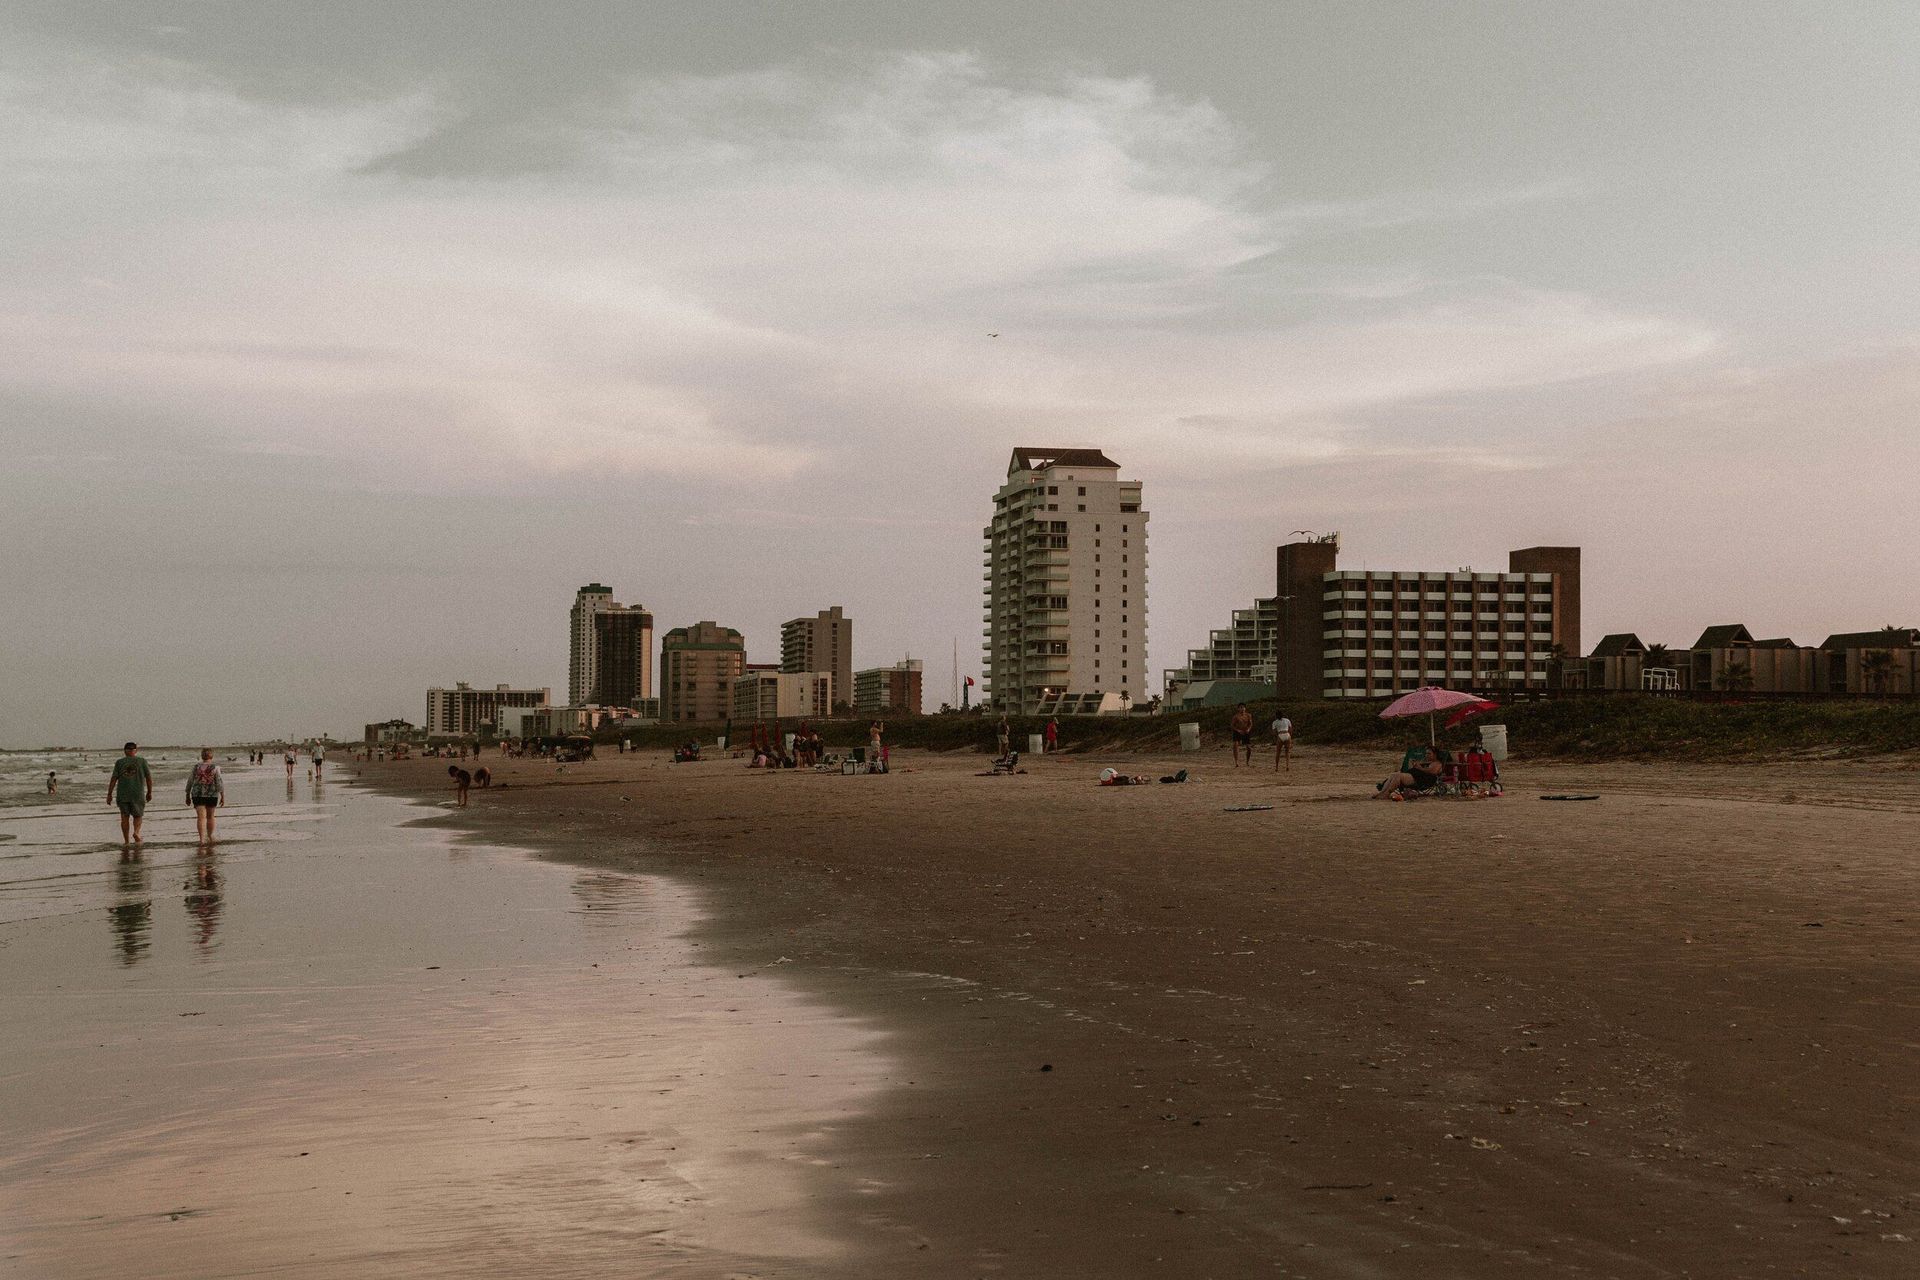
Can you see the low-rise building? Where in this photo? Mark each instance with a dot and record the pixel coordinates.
(783, 695)
(893, 690)
(1727, 658)
(388, 731)
(464, 711)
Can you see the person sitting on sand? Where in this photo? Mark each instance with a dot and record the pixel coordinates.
(461, 781)
(1420, 771)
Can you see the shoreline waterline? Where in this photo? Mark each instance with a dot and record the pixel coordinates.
(382, 1048)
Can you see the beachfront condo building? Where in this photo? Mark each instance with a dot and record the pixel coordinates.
(464, 711)
(582, 640)
(698, 665)
(1066, 586)
(622, 657)
(820, 643)
(1328, 632)
(893, 690)
(783, 695)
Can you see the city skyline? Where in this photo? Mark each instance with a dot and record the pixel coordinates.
(341, 348)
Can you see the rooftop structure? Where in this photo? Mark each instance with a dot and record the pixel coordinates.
(1065, 584)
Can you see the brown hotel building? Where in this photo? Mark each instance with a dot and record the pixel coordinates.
(1329, 632)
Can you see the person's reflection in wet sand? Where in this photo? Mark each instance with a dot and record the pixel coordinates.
(131, 918)
(289, 788)
(204, 898)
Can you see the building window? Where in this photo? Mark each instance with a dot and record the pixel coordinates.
(1081, 507)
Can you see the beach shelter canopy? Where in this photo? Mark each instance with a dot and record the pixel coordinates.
(1429, 700)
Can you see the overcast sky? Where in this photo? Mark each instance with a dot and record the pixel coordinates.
(339, 342)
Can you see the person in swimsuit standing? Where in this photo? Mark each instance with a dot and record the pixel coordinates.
(1282, 741)
(1242, 727)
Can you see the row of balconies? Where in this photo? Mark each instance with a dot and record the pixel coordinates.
(1381, 576)
(1436, 655)
(1354, 593)
(1409, 673)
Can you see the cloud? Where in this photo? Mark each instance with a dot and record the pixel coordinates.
(718, 280)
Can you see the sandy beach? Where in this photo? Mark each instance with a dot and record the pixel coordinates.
(1668, 1032)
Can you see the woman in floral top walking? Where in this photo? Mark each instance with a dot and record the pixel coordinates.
(206, 792)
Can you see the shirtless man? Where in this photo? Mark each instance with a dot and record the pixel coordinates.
(1242, 727)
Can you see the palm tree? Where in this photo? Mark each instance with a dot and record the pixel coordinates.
(1657, 655)
(1876, 668)
(1735, 677)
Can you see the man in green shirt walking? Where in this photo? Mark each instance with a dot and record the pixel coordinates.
(131, 788)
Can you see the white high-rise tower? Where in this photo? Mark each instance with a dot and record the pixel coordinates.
(1066, 573)
(582, 647)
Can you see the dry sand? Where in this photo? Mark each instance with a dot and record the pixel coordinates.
(1671, 1032)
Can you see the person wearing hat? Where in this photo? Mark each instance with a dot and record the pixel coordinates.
(131, 788)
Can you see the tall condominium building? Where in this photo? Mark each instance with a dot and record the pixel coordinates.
(623, 657)
(820, 643)
(891, 690)
(463, 710)
(582, 640)
(1066, 575)
(1371, 633)
(698, 665)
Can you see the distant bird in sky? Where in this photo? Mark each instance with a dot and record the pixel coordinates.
(993, 335)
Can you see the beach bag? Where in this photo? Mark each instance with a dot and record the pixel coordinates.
(204, 783)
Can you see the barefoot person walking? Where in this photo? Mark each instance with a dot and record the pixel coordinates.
(1242, 726)
(206, 792)
(131, 788)
(1282, 741)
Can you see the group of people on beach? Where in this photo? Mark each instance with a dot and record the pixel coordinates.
(1241, 726)
(130, 789)
(771, 749)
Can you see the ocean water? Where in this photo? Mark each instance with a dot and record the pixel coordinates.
(337, 1044)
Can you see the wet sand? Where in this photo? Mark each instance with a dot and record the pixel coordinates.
(338, 1045)
(1671, 1032)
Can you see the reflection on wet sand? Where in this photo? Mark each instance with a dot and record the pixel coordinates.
(203, 898)
(130, 918)
(367, 1053)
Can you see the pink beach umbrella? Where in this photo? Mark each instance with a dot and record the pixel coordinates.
(1425, 701)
